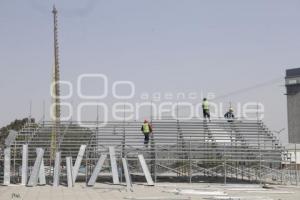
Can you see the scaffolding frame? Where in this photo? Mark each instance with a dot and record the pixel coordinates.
(179, 150)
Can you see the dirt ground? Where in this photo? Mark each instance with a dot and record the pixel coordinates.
(161, 191)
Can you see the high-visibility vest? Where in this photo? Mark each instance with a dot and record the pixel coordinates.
(205, 105)
(146, 128)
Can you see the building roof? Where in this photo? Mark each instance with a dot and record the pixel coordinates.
(293, 72)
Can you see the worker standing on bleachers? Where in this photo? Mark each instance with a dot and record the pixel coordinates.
(147, 130)
(205, 107)
(229, 115)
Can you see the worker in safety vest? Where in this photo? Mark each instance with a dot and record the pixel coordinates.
(146, 129)
(229, 115)
(205, 107)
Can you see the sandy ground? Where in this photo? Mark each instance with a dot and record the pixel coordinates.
(163, 191)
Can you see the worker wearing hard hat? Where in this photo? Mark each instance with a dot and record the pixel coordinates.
(147, 130)
(205, 107)
(229, 115)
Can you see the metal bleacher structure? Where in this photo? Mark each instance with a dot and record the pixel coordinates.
(179, 150)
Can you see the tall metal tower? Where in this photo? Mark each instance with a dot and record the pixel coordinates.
(55, 89)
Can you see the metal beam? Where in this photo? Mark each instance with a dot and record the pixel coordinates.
(11, 138)
(6, 180)
(24, 164)
(33, 179)
(127, 175)
(145, 170)
(97, 170)
(113, 163)
(78, 162)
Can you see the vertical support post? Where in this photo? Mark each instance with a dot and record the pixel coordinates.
(127, 175)
(260, 177)
(24, 164)
(44, 111)
(6, 180)
(86, 165)
(113, 163)
(296, 167)
(123, 142)
(242, 172)
(155, 167)
(124, 134)
(56, 174)
(289, 169)
(78, 162)
(145, 170)
(225, 168)
(155, 164)
(190, 161)
(36, 168)
(69, 171)
(97, 170)
(120, 171)
(153, 152)
(281, 176)
(97, 125)
(225, 172)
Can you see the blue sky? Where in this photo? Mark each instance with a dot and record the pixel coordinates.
(160, 45)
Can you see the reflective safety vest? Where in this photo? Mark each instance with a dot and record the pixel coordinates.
(205, 105)
(146, 128)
